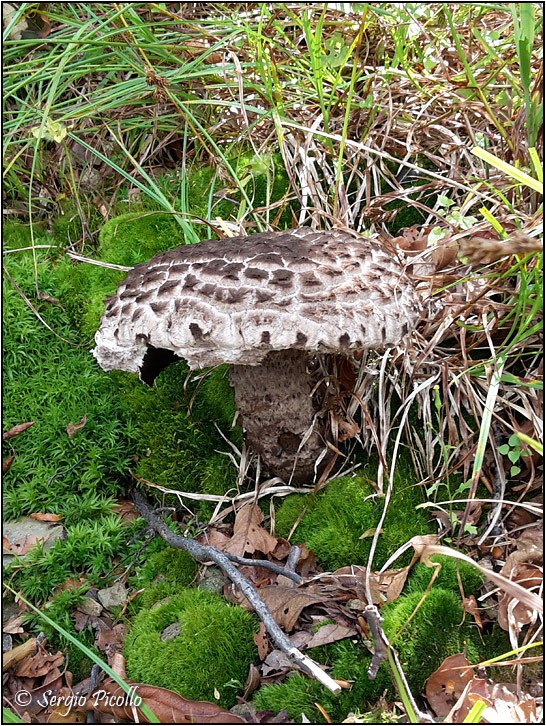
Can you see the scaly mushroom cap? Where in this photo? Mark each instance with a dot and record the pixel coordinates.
(236, 300)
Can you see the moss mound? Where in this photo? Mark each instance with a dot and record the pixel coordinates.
(213, 650)
(341, 513)
(432, 635)
(165, 573)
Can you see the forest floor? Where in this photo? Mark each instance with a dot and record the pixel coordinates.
(130, 129)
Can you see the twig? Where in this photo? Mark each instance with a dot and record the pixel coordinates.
(66, 471)
(206, 553)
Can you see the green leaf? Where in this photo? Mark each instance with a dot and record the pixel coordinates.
(514, 455)
(475, 713)
(514, 470)
(444, 201)
(9, 716)
(536, 445)
(519, 176)
(504, 449)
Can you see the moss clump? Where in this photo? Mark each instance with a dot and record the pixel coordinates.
(421, 575)
(53, 383)
(340, 514)
(177, 450)
(296, 695)
(89, 547)
(174, 567)
(263, 178)
(432, 635)
(213, 651)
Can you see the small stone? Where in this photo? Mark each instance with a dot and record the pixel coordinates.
(10, 609)
(245, 710)
(114, 596)
(171, 632)
(355, 604)
(90, 606)
(161, 602)
(213, 581)
(7, 642)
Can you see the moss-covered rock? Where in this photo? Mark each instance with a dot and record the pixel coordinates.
(214, 649)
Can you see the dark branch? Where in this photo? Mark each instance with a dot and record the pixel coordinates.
(207, 553)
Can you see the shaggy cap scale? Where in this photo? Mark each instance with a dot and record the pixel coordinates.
(236, 300)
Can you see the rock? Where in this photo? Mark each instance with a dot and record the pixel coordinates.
(161, 602)
(355, 604)
(114, 596)
(90, 606)
(7, 642)
(171, 632)
(23, 527)
(213, 581)
(245, 710)
(10, 609)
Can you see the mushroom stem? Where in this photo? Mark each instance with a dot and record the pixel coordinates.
(274, 399)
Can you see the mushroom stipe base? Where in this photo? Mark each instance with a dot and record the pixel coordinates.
(276, 404)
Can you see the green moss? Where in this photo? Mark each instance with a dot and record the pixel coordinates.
(53, 383)
(175, 450)
(213, 651)
(263, 177)
(16, 235)
(137, 236)
(296, 695)
(67, 225)
(421, 575)
(176, 567)
(433, 634)
(340, 514)
(89, 547)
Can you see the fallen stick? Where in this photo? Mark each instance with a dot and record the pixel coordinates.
(207, 553)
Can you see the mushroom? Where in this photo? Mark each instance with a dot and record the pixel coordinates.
(264, 304)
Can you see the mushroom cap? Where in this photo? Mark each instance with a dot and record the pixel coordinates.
(235, 300)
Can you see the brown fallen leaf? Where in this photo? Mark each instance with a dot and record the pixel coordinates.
(329, 634)
(169, 707)
(503, 705)
(48, 298)
(46, 517)
(26, 543)
(248, 536)
(7, 463)
(39, 664)
(252, 681)
(126, 510)
(18, 429)
(385, 586)
(72, 428)
(286, 603)
(262, 643)
(111, 641)
(512, 616)
(276, 662)
(447, 683)
(14, 625)
(61, 714)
